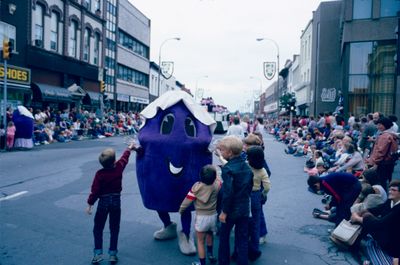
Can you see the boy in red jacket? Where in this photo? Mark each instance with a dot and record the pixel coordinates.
(107, 187)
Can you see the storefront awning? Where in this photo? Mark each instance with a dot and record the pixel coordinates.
(76, 90)
(18, 87)
(92, 98)
(51, 93)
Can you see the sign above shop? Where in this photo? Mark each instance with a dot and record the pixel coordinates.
(271, 107)
(140, 100)
(16, 74)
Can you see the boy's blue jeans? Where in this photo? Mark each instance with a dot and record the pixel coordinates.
(254, 221)
(263, 224)
(241, 240)
(109, 205)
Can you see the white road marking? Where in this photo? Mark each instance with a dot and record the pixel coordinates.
(13, 195)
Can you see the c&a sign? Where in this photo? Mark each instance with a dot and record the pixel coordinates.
(16, 74)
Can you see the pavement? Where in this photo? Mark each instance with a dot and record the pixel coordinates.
(43, 196)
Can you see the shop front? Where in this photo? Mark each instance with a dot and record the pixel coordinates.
(131, 103)
(18, 86)
(92, 100)
(271, 110)
(138, 104)
(53, 96)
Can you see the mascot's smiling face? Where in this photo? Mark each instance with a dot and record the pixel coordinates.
(175, 148)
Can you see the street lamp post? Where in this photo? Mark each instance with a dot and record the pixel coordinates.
(277, 57)
(159, 62)
(197, 91)
(257, 93)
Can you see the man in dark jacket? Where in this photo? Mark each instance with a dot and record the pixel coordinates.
(344, 189)
(368, 131)
(236, 189)
(382, 222)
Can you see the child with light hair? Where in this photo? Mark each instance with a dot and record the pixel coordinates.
(236, 189)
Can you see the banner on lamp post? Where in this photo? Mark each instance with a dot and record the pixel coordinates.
(167, 69)
(269, 70)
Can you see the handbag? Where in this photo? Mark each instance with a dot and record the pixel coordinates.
(346, 233)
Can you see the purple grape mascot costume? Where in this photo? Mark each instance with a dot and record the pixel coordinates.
(23, 121)
(174, 144)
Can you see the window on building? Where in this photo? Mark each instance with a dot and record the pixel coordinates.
(110, 62)
(87, 4)
(39, 25)
(96, 50)
(371, 77)
(86, 45)
(110, 80)
(7, 31)
(362, 9)
(359, 60)
(389, 8)
(72, 42)
(97, 5)
(54, 31)
(133, 76)
(132, 44)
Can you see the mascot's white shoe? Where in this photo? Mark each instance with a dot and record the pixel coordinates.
(186, 246)
(165, 233)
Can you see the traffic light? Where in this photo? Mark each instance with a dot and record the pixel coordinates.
(7, 49)
(102, 86)
(292, 105)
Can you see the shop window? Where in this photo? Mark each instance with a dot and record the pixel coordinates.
(371, 77)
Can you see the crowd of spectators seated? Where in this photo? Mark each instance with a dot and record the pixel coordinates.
(351, 164)
(52, 125)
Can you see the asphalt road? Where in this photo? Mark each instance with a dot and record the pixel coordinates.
(42, 221)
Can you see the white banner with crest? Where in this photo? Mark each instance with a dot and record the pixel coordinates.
(167, 69)
(269, 70)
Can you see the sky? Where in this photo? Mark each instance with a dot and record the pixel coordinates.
(218, 40)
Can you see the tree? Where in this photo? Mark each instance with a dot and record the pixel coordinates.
(287, 102)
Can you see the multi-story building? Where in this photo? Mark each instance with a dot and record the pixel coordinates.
(293, 75)
(303, 88)
(133, 53)
(66, 47)
(368, 49)
(325, 57)
(269, 104)
(110, 52)
(60, 42)
(283, 78)
(354, 51)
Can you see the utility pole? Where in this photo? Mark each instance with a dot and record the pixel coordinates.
(7, 50)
